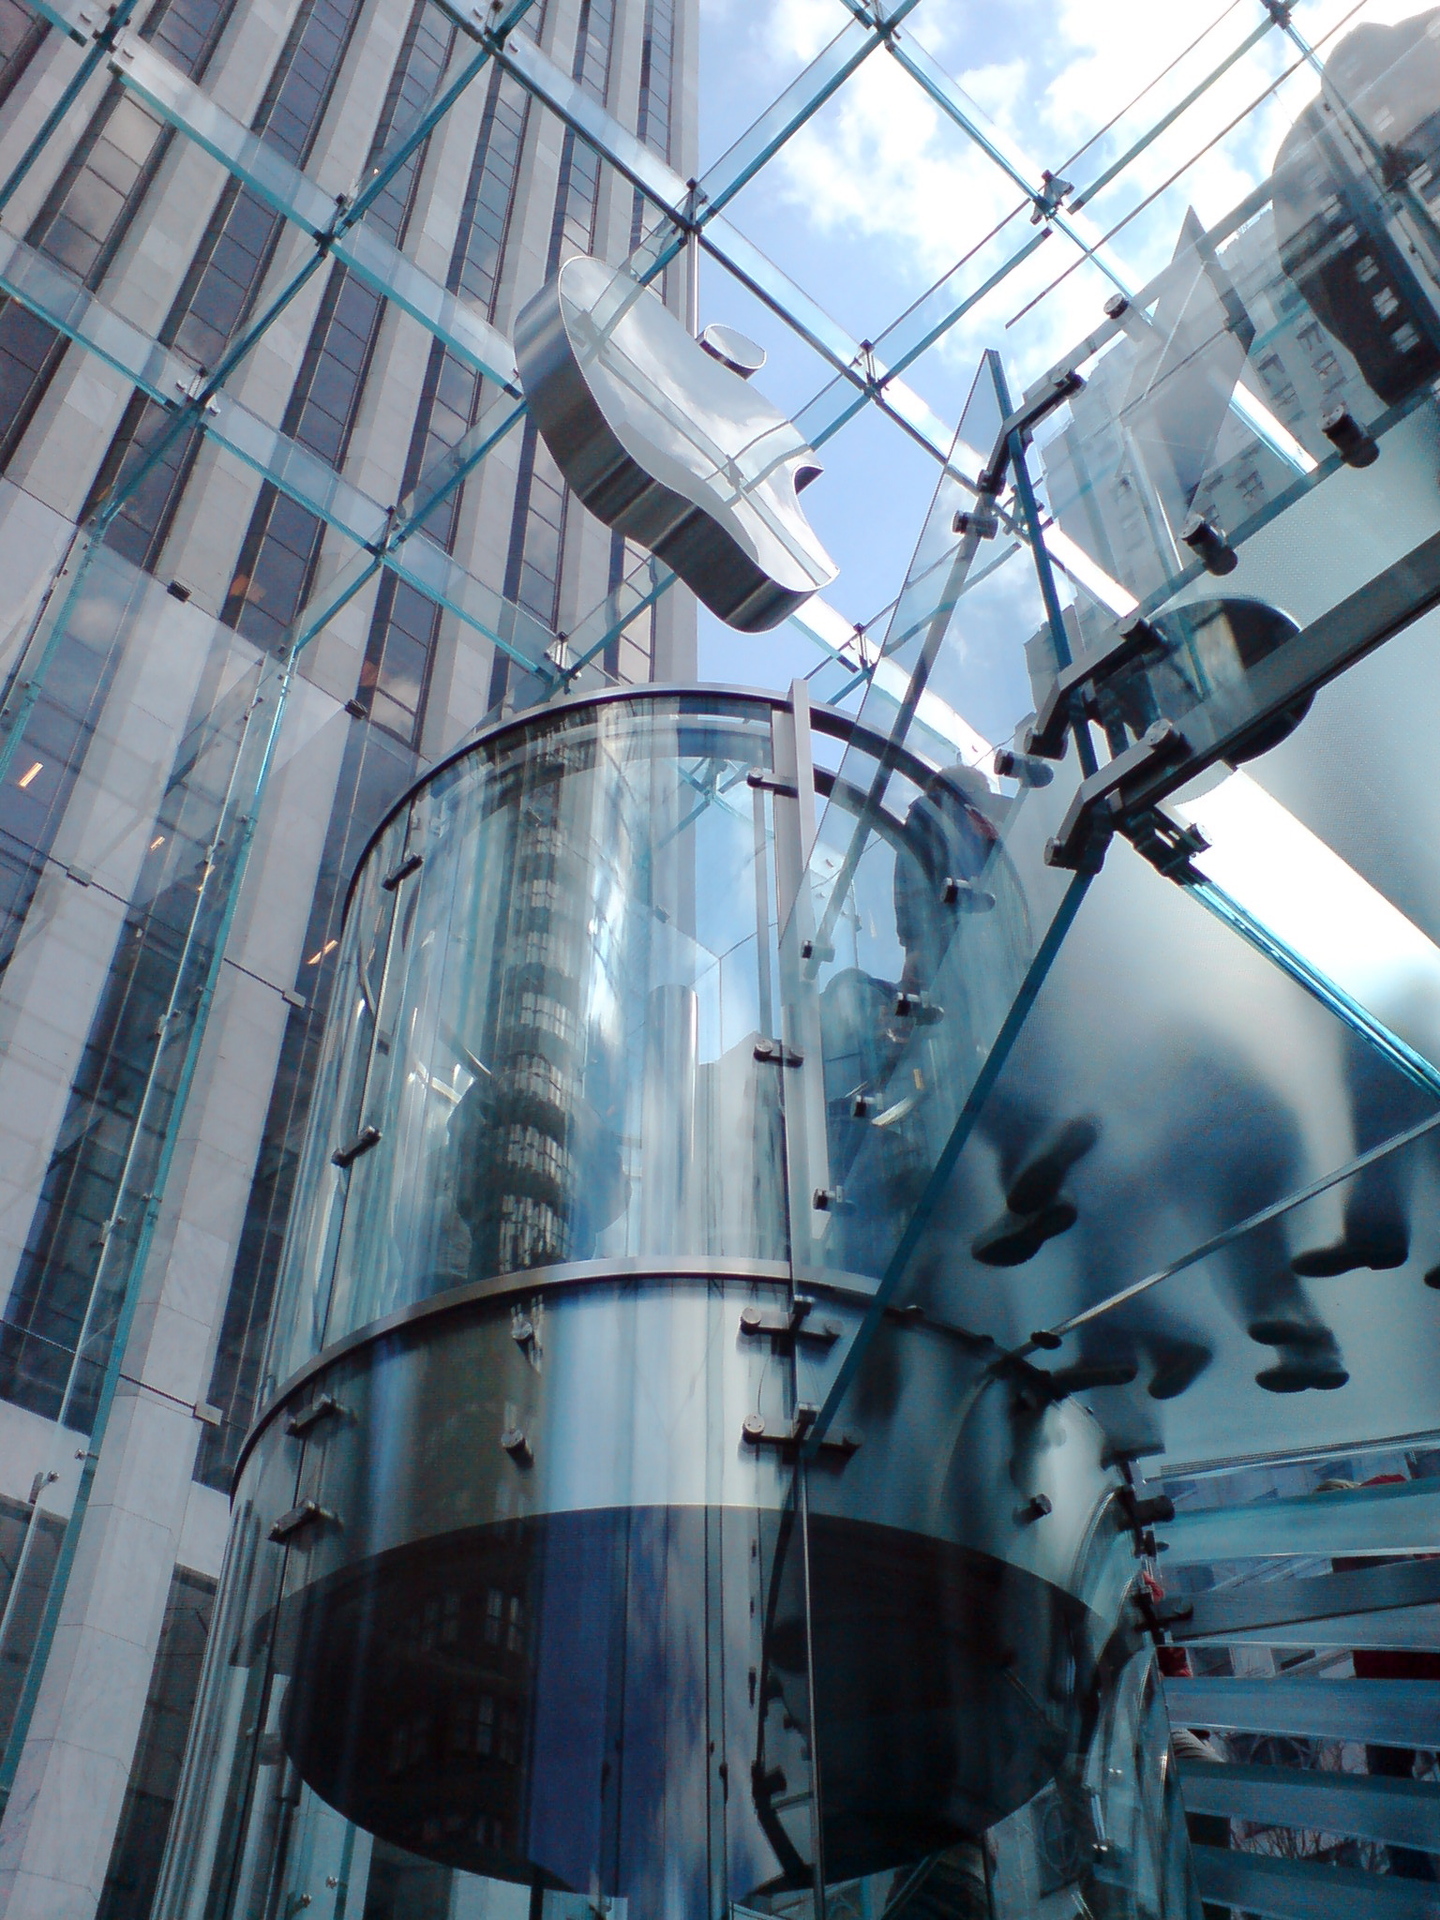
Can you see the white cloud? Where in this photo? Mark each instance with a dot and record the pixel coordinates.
(882, 166)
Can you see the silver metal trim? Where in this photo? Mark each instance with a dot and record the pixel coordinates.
(532, 1280)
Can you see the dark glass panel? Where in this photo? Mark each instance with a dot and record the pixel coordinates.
(155, 1773)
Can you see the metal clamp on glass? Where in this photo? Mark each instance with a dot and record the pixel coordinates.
(1169, 847)
(1021, 424)
(367, 1138)
(797, 1325)
(776, 1053)
(403, 872)
(1096, 811)
(1039, 1387)
(309, 1513)
(769, 783)
(833, 1446)
(299, 1424)
(1073, 694)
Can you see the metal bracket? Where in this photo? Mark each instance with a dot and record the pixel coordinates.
(299, 1424)
(768, 783)
(778, 1054)
(309, 1513)
(1038, 1388)
(980, 521)
(190, 391)
(367, 1138)
(403, 872)
(1145, 1513)
(1023, 421)
(1156, 1617)
(1074, 690)
(787, 1440)
(796, 1326)
(965, 895)
(1169, 847)
(1094, 813)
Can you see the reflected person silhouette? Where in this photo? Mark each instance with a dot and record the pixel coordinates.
(887, 1043)
(1375, 1230)
(951, 850)
(1232, 1148)
(1221, 1145)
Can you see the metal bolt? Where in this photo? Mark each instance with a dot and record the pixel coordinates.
(1354, 445)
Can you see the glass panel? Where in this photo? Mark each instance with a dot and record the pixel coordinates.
(135, 770)
(234, 1780)
(589, 921)
(1245, 457)
(1374, 821)
(1139, 1117)
(1386, 1519)
(1314, 1323)
(284, 186)
(928, 902)
(988, 1719)
(829, 70)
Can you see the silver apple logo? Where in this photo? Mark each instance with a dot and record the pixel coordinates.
(662, 439)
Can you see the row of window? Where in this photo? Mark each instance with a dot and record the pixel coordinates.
(405, 626)
(49, 1303)
(473, 1727)
(224, 278)
(375, 769)
(21, 35)
(134, 1869)
(85, 223)
(537, 536)
(55, 1339)
(88, 212)
(51, 1300)
(276, 565)
(378, 765)
(441, 1620)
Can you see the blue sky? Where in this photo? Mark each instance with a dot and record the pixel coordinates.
(881, 194)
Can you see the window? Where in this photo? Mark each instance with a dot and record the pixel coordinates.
(224, 278)
(88, 213)
(276, 566)
(28, 1553)
(155, 1773)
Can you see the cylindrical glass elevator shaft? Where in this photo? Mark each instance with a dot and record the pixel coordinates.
(531, 1605)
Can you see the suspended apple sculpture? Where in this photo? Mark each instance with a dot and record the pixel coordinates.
(662, 438)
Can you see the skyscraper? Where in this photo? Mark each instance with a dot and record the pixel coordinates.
(124, 813)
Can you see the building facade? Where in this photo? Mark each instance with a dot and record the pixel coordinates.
(206, 572)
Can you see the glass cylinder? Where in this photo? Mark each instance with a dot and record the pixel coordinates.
(533, 1604)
